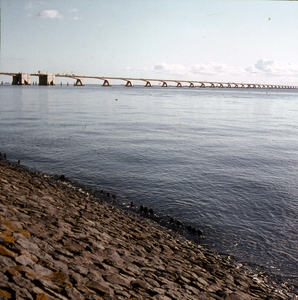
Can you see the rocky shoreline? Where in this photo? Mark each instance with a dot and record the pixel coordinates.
(58, 243)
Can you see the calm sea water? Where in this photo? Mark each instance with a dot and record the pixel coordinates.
(222, 160)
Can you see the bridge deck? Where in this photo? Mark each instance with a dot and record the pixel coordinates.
(165, 82)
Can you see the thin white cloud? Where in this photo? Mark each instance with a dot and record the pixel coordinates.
(265, 65)
(34, 4)
(77, 18)
(30, 6)
(210, 69)
(213, 68)
(171, 69)
(73, 12)
(52, 14)
(272, 68)
(262, 70)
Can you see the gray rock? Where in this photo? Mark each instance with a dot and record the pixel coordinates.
(23, 293)
(73, 293)
(25, 260)
(23, 282)
(6, 263)
(100, 287)
(138, 283)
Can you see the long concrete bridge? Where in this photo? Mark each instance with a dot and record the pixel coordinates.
(49, 79)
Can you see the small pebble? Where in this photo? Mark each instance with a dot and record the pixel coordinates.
(194, 230)
(200, 232)
(179, 223)
(189, 227)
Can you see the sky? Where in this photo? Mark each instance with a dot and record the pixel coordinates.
(236, 41)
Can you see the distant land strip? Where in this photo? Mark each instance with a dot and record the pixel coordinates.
(49, 79)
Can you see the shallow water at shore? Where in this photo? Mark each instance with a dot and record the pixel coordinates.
(221, 160)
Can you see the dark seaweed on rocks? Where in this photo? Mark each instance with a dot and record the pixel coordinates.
(61, 243)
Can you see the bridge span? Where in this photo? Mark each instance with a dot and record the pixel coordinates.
(49, 79)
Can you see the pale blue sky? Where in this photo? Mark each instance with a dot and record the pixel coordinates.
(242, 41)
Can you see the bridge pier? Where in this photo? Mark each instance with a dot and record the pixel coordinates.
(21, 79)
(164, 84)
(79, 82)
(148, 84)
(212, 85)
(191, 84)
(106, 83)
(46, 79)
(202, 85)
(179, 84)
(129, 83)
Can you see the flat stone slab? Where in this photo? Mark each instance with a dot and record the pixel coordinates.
(59, 243)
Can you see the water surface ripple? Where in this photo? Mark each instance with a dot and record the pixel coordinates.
(222, 160)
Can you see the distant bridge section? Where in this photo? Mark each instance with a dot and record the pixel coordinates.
(19, 78)
(45, 79)
(25, 78)
(49, 79)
